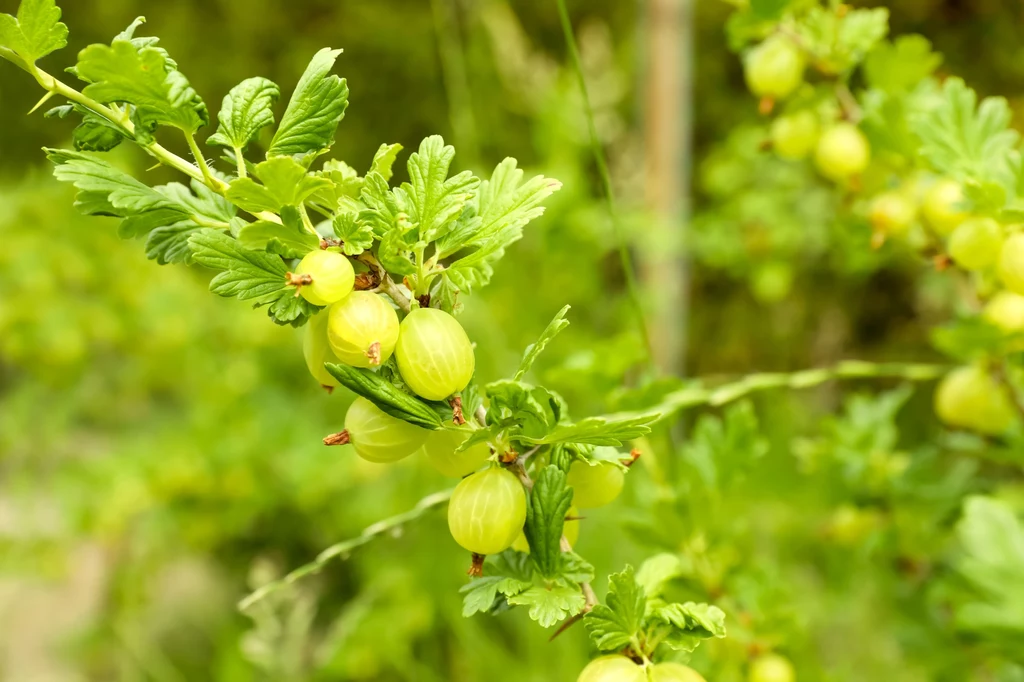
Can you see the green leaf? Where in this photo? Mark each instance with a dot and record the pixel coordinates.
(345, 186)
(314, 111)
(247, 109)
(535, 349)
(549, 502)
(169, 244)
(512, 403)
(249, 275)
(492, 221)
(841, 41)
(290, 241)
(901, 64)
(36, 32)
(386, 396)
(574, 568)
(506, 574)
(972, 338)
(720, 448)
(657, 571)
(606, 430)
(285, 183)
(384, 159)
(430, 198)
(356, 235)
(702, 620)
(616, 624)
(142, 77)
(963, 138)
(550, 605)
(122, 195)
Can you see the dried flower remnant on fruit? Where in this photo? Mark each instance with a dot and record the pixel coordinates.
(476, 569)
(298, 281)
(457, 416)
(340, 438)
(373, 353)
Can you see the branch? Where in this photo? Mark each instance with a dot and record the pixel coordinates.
(387, 285)
(342, 549)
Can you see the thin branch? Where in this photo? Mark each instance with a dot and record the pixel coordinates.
(387, 285)
(342, 549)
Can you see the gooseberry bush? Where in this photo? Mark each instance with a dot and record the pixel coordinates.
(374, 273)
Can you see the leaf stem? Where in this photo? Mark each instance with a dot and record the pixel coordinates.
(197, 154)
(240, 163)
(602, 167)
(306, 222)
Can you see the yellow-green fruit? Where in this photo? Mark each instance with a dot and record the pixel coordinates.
(362, 329)
(775, 68)
(435, 357)
(674, 672)
(570, 529)
(487, 511)
(331, 277)
(1006, 311)
(594, 486)
(892, 213)
(1011, 263)
(976, 243)
(379, 437)
(772, 668)
(317, 351)
(612, 669)
(842, 152)
(440, 452)
(793, 136)
(970, 398)
(942, 206)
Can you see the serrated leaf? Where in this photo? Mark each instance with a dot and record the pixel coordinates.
(290, 241)
(842, 40)
(160, 94)
(384, 159)
(494, 220)
(512, 404)
(35, 32)
(901, 64)
(169, 244)
(285, 183)
(386, 396)
(506, 574)
(551, 605)
(548, 504)
(431, 199)
(657, 571)
(616, 624)
(249, 275)
(314, 111)
(247, 109)
(606, 430)
(94, 133)
(355, 234)
(963, 138)
(557, 324)
(702, 620)
(721, 447)
(574, 568)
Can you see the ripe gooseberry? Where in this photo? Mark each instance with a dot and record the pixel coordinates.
(612, 669)
(435, 357)
(362, 329)
(793, 136)
(674, 672)
(892, 213)
(440, 451)
(379, 437)
(942, 206)
(323, 277)
(842, 152)
(317, 352)
(976, 243)
(1011, 263)
(775, 68)
(594, 485)
(970, 398)
(1006, 311)
(570, 529)
(772, 668)
(487, 511)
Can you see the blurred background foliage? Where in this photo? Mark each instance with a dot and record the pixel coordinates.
(159, 447)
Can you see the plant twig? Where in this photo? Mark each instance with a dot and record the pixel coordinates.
(342, 549)
(387, 285)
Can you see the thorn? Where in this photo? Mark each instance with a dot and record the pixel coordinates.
(340, 438)
(373, 353)
(476, 569)
(44, 100)
(566, 625)
(329, 389)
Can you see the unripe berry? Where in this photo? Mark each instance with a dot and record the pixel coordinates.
(440, 452)
(842, 152)
(772, 668)
(775, 68)
(793, 136)
(1011, 263)
(674, 672)
(324, 277)
(487, 511)
(594, 485)
(942, 207)
(612, 669)
(892, 213)
(362, 329)
(1006, 311)
(379, 437)
(317, 351)
(976, 243)
(970, 398)
(435, 357)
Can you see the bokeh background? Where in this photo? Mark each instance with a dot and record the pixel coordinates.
(160, 447)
